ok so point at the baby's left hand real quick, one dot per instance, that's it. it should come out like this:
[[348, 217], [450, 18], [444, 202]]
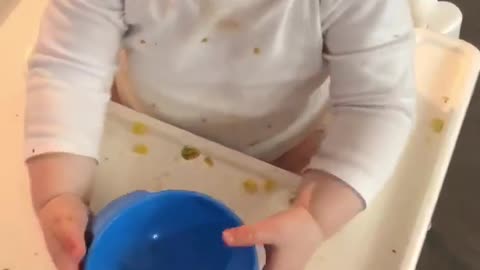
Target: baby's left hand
[[291, 237]]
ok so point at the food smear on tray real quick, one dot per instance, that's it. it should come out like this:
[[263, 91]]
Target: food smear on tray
[[189, 153], [139, 128], [437, 125], [250, 186], [209, 161], [140, 149], [270, 185]]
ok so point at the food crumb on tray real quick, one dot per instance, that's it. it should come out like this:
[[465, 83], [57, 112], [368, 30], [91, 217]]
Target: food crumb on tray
[[292, 199], [270, 185], [189, 153], [437, 125], [139, 128], [250, 186], [208, 161], [140, 149], [445, 99]]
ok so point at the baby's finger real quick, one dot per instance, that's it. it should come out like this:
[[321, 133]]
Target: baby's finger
[[272, 230], [64, 220], [70, 236], [65, 262], [62, 259]]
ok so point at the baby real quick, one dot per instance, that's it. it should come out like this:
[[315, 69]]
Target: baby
[[244, 73]]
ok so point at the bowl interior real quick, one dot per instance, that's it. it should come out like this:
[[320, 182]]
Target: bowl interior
[[173, 231]]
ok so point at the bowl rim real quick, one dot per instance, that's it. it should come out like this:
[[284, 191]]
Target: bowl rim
[[149, 196]]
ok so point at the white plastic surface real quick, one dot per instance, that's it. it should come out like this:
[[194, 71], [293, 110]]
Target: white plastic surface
[[389, 235], [446, 18], [438, 16], [421, 10]]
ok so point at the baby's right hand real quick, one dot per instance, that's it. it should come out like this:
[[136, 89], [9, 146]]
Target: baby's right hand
[[64, 221]]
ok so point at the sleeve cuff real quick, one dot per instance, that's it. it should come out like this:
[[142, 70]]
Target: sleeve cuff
[[36, 147], [358, 180]]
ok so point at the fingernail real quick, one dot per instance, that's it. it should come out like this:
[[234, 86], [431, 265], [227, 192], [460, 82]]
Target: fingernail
[[228, 237]]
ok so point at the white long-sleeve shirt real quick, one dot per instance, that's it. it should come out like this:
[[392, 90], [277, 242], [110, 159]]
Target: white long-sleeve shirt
[[245, 73]]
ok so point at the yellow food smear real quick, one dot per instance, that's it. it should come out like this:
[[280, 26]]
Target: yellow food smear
[[250, 186], [437, 125], [208, 161], [139, 128], [256, 50], [270, 185], [140, 149], [189, 153]]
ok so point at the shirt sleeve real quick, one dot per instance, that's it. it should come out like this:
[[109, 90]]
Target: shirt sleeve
[[70, 74], [369, 47]]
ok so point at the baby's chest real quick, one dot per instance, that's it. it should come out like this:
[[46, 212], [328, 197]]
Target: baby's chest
[[231, 35]]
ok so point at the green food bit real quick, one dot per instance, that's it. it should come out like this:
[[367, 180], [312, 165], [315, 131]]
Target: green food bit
[[437, 125], [189, 153]]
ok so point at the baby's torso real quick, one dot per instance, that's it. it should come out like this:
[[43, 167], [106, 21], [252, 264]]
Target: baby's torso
[[245, 73]]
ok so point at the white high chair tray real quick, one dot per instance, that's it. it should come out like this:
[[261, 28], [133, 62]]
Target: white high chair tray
[[389, 235]]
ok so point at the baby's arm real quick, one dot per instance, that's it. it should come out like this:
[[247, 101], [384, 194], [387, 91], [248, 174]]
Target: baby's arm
[[370, 51], [56, 174], [68, 87]]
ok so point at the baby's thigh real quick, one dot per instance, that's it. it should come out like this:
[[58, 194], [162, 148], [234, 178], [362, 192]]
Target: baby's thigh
[[297, 158]]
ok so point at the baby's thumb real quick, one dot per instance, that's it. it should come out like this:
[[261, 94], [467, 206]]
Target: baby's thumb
[[64, 220], [270, 231], [70, 237]]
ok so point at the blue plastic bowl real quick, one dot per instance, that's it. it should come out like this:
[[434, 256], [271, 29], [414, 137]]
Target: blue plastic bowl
[[169, 230]]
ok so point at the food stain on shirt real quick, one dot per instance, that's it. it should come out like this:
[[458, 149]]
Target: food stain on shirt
[[139, 128], [207, 8], [140, 149], [250, 186], [256, 51], [143, 42], [437, 125], [189, 153], [209, 161]]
